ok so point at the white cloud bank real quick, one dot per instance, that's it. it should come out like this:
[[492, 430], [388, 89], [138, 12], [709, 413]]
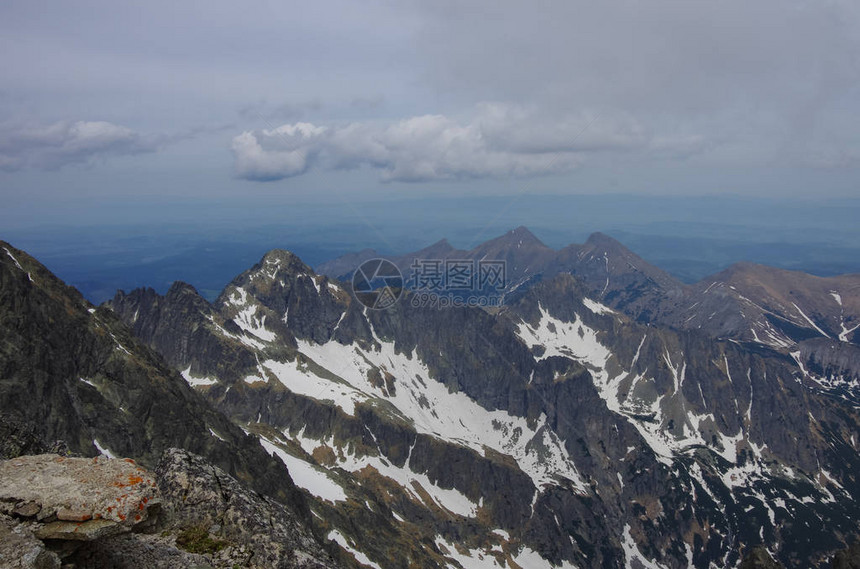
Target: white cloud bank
[[499, 140], [67, 142]]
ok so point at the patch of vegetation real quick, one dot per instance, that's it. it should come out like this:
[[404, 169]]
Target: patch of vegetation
[[198, 540]]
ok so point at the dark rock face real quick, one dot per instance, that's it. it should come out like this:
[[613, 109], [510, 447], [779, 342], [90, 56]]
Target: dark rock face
[[72, 372], [834, 365], [183, 326], [759, 558], [17, 438], [721, 400], [848, 558], [130, 551], [624, 442]]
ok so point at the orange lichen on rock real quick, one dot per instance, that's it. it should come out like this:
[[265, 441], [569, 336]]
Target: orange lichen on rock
[[80, 489]]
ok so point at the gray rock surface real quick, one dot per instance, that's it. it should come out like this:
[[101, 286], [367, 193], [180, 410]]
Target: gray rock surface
[[19, 548], [134, 550], [256, 531]]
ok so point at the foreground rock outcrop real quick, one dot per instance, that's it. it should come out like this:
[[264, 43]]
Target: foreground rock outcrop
[[52, 505], [77, 493], [89, 513]]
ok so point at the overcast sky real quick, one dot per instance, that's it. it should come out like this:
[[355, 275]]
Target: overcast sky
[[195, 100]]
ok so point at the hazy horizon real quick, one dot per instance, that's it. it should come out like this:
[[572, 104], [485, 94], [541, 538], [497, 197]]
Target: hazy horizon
[[208, 244]]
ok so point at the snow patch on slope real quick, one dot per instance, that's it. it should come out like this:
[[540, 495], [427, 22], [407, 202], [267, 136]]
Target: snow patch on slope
[[578, 341], [196, 381], [567, 339], [493, 557], [843, 334], [341, 540], [808, 319], [296, 377], [17, 264], [305, 475], [248, 320], [632, 553], [597, 307], [103, 450], [248, 341], [449, 499], [433, 409]]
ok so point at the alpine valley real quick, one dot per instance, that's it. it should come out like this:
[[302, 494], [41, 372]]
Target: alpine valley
[[604, 415]]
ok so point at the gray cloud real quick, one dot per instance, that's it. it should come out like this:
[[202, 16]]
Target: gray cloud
[[68, 142], [263, 110], [278, 153], [367, 103], [497, 140], [770, 75], [55, 145]]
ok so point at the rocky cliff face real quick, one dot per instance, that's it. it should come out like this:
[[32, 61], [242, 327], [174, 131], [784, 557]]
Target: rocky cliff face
[[75, 373], [556, 431]]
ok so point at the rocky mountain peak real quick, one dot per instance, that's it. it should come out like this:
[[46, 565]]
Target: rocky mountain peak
[[21, 275], [278, 268], [600, 237], [603, 243], [438, 250], [180, 288], [518, 238], [738, 271], [524, 254], [284, 260]]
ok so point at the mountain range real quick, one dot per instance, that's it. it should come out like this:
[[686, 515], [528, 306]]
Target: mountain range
[[815, 320], [605, 415]]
